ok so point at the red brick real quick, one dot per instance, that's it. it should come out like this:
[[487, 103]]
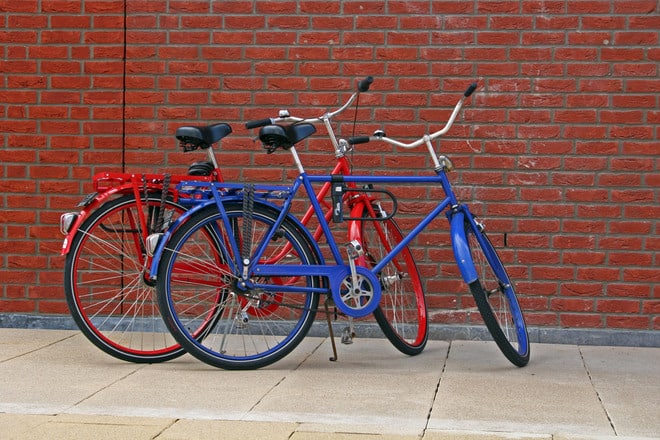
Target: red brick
[[599, 211], [573, 242], [631, 164], [632, 322], [635, 38], [628, 290], [645, 22], [589, 7], [17, 306], [635, 7], [630, 259], [571, 305], [538, 257], [646, 275], [588, 69], [576, 54], [576, 116], [651, 307], [581, 289], [582, 258], [580, 320], [621, 54], [603, 22]]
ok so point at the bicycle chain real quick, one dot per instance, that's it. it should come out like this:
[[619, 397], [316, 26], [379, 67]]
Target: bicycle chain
[[248, 215], [266, 303], [163, 198], [145, 191]]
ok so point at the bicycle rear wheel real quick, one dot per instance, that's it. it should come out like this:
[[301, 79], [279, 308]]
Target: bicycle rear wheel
[[106, 291], [252, 327], [496, 299], [401, 314]]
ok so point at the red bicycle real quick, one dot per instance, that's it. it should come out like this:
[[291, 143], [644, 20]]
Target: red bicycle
[[108, 295]]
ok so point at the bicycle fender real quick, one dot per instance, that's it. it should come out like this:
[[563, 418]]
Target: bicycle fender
[[355, 230], [461, 248], [87, 210]]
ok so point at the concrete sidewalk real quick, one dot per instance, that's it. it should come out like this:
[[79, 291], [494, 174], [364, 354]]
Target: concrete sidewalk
[[55, 384]]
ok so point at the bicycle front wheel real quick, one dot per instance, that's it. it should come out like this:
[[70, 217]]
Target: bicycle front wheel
[[106, 291], [251, 328], [496, 299], [401, 314]]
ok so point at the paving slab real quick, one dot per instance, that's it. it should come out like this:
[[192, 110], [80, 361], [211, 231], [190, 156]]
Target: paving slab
[[58, 376], [628, 388], [482, 435], [16, 426], [95, 427], [481, 391], [372, 388], [17, 342], [301, 435], [229, 430], [188, 388]]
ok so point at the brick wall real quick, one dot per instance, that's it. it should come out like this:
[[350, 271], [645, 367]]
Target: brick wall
[[558, 147]]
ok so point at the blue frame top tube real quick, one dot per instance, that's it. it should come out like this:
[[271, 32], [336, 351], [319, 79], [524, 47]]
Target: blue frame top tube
[[306, 181], [380, 179]]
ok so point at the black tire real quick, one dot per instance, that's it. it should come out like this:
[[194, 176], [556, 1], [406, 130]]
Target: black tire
[[251, 329], [401, 314], [104, 284], [496, 299]]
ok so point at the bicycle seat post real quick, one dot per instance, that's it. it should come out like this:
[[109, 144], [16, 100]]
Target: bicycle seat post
[[296, 159], [331, 133], [211, 156]]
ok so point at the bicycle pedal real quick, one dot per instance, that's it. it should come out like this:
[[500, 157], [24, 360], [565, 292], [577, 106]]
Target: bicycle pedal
[[347, 336]]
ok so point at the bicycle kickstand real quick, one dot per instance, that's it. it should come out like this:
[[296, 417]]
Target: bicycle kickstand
[[332, 333]]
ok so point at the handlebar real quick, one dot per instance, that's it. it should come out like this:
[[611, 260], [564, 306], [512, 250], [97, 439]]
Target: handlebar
[[363, 86], [427, 138], [258, 123], [354, 140], [470, 89]]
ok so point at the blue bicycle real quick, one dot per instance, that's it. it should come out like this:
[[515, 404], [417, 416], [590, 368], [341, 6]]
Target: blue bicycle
[[222, 270]]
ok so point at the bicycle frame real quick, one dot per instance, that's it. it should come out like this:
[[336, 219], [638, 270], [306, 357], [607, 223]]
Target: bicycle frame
[[248, 267]]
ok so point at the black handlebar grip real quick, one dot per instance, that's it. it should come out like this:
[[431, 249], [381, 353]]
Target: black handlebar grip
[[358, 140], [470, 89], [364, 84], [258, 123]]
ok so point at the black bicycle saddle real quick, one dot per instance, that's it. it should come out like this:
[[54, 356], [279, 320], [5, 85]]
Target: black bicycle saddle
[[193, 137], [278, 136]]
